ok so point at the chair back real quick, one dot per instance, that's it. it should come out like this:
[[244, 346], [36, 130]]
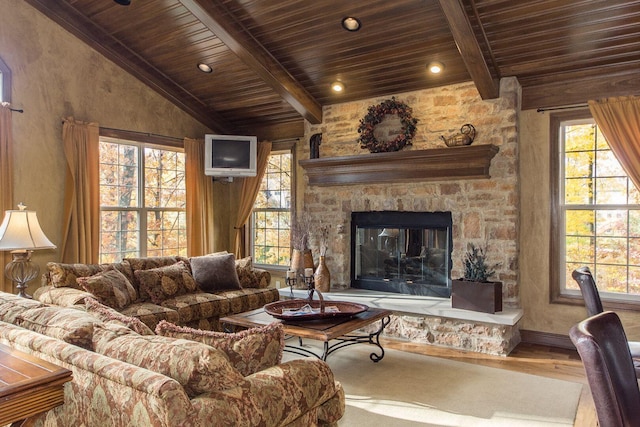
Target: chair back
[[602, 345], [589, 290]]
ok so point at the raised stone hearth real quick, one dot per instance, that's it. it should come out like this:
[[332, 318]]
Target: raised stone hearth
[[428, 320]]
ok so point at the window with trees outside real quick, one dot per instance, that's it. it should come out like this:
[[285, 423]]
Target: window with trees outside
[[142, 200], [271, 216], [599, 213]]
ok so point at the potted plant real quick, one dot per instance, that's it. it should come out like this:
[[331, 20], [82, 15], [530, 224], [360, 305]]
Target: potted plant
[[474, 291]]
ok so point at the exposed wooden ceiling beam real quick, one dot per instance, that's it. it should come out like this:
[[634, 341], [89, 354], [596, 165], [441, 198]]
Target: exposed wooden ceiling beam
[[467, 44], [252, 53], [66, 16]]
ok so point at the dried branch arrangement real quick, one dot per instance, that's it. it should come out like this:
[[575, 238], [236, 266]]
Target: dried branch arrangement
[[300, 227]]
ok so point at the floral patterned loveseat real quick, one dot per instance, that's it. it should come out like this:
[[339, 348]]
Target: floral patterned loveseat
[[125, 375], [194, 292]]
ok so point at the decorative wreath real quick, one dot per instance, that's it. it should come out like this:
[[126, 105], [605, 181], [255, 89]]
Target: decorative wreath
[[375, 114]]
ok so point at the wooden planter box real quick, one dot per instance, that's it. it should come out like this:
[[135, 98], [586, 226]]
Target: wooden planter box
[[476, 296]]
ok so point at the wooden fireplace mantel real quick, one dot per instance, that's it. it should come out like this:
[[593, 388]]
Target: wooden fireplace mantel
[[466, 162]]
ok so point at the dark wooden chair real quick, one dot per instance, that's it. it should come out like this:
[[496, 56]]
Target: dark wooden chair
[[593, 303], [602, 345]]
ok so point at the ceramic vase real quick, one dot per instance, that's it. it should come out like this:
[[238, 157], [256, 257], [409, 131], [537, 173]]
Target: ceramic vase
[[299, 261], [322, 277]]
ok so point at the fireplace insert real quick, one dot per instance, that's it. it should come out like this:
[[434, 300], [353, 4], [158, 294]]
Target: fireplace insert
[[402, 252]]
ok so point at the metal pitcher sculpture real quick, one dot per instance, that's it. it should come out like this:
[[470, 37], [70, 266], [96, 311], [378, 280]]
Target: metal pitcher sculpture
[[465, 137]]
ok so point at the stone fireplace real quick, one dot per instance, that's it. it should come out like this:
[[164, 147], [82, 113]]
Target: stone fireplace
[[402, 252], [483, 209]]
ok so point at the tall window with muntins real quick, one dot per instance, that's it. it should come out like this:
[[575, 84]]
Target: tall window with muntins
[[271, 217], [600, 209], [142, 200]]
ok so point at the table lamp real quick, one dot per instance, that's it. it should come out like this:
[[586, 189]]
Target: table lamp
[[21, 234]]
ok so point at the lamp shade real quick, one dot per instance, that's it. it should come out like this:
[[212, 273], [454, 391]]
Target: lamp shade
[[20, 230]]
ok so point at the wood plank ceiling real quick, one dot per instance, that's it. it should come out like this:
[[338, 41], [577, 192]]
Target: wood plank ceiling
[[273, 60]]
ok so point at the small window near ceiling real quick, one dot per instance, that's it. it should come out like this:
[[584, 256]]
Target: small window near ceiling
[[599, 213], [271, 217], [5, 82], [142, 200]]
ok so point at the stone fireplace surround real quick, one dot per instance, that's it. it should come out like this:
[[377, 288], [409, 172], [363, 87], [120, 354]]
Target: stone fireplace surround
[[484, 210]]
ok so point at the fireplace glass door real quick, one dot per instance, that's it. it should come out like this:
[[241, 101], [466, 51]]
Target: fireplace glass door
[[409, 254]]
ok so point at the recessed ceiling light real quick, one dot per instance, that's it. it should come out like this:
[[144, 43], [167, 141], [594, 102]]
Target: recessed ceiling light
[[337, 86], [435, 67], [351, 24], [204, 68], [123, 2]]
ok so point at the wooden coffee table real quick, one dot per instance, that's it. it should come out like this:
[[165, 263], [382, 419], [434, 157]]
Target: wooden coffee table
[[28, 385], [339, 330]]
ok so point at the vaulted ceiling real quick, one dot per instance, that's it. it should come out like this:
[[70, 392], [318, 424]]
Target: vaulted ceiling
[[273, 60]]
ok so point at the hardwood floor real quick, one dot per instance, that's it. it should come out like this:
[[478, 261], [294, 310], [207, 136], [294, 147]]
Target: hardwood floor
[[527, 358]]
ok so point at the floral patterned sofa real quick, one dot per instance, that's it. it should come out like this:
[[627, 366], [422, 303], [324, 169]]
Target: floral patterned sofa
[[125, 375], [194, 292]]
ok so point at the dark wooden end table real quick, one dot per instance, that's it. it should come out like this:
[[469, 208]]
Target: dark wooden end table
[[28, 385], [339, 330]]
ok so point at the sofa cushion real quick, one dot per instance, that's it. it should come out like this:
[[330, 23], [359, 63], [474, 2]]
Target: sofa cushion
[[198, 367], [68, 324], [12, 305], [67, 274], [150, 314], [198, 305], [249, 299], [215, 272], [166, 282], [248, 351], [108, 314], [110, 287]]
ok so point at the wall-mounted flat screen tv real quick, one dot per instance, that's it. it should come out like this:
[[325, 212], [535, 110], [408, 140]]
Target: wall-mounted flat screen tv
[[230, 155]]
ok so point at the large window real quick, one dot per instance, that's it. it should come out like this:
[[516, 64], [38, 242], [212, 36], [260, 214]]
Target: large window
[[271, 217], [599, 213], [142, 200]]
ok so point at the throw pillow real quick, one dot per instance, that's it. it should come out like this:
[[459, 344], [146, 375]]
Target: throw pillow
[[215, 272], [110, 287], [147, 263], [67, 324], [246, 275], [108, 314], [248, 351], [197, 367], [67, 274], [166, 282]]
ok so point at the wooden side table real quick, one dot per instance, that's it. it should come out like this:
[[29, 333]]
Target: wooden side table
[[28, 385]]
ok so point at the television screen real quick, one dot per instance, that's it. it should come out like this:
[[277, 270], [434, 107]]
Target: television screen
[[230, 155]]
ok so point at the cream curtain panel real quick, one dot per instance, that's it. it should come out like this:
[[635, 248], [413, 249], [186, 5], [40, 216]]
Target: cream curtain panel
[[81, 218], [619, 120], [200, 212], [250, 188], [6, 180]]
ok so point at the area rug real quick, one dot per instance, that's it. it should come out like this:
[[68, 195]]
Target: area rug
[[406, 389]]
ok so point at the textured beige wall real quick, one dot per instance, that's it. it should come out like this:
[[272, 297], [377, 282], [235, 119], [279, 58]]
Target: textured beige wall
[[539, 314], [55, 75]]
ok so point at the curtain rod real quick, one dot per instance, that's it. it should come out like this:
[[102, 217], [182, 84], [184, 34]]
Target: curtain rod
[[147, 134], [566, 107]]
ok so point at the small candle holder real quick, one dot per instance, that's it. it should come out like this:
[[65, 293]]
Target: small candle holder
[[291, 281], [308, 280]]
